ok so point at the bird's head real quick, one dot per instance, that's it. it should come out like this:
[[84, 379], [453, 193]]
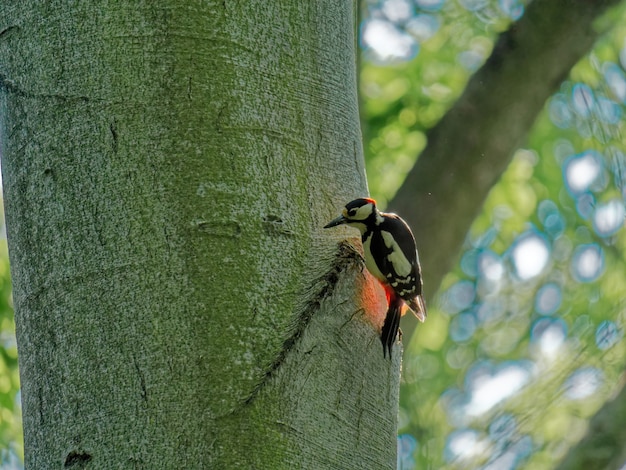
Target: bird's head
[[359, 213]]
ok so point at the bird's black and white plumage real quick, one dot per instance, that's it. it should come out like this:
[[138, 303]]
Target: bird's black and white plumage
[[391, 257]]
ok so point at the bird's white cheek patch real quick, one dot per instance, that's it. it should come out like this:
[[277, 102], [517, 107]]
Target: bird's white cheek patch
[[400, 264], [363, 212]]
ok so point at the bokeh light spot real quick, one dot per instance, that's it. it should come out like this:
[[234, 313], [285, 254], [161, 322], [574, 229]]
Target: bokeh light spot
[[488, 385], [548, 299], [607, 335], [471, 60], [387, 42], [554, 225], [397, 10], [463, 444], [545, 209], [560, 111], [608, 218], [407, 444], [549, 334], [609, 111], [462, 327], [530, 255], [490, 266], [581, 171], [469, 262], [551, 218], [585, 205], [459, 297], [423, 26], [587, 262], [583, 383], [615, 79], [514, 9], [583, 99]]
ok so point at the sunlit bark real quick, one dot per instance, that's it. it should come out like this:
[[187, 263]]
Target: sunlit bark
[[168, 168]]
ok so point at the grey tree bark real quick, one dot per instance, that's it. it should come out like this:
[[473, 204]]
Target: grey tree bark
[[167, 170]]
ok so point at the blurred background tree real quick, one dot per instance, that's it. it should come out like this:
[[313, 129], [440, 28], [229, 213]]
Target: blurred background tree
[[517, 202], [11, 450]]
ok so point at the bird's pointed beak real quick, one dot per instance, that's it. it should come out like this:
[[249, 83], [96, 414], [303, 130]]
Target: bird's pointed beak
[[338, 221]]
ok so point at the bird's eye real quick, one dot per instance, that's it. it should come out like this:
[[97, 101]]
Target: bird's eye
[[352, 212]]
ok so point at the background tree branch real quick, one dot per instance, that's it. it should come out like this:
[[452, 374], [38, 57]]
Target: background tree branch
[[603, 445], [472, 145]]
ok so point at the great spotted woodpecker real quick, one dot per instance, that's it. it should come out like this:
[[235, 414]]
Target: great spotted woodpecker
[[391, 257]]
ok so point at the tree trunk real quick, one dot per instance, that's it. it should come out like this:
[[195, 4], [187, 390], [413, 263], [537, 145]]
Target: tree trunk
[[167, 171]]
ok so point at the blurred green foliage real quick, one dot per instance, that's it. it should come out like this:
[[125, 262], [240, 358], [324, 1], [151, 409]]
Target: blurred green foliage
[[525, 341], [11, 439], [401, 99]]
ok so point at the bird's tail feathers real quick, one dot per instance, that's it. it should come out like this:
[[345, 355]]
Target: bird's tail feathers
[[391, 326]]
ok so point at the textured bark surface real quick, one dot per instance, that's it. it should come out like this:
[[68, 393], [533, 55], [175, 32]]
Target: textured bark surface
[[472, 145], [167, 170]]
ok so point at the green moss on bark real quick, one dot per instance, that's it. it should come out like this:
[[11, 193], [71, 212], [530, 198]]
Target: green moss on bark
[[167, 172]]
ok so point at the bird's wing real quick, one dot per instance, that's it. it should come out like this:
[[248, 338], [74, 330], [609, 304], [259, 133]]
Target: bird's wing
[[403, 237]]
